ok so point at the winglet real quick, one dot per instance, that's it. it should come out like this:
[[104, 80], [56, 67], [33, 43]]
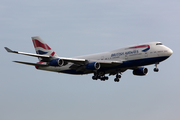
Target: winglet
[[9, 50]]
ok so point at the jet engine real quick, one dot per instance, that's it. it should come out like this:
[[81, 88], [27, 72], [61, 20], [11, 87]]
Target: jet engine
[[93, 66], [140, 71], [56, 62]]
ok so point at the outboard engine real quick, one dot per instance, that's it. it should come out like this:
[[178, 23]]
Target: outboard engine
[[140, 71], [93, 66], [56, 62]]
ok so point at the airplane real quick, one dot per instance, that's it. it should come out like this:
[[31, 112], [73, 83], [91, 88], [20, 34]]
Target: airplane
[[114, 62]]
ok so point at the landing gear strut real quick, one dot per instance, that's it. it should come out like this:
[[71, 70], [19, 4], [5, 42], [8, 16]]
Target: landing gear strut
[[156, 69], [117, 78]]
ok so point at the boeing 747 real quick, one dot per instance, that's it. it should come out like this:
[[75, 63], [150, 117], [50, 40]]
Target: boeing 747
[[100, 65]]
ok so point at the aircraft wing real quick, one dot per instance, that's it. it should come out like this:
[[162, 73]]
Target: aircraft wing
[[103, 63], [76, 61], [46, 57]]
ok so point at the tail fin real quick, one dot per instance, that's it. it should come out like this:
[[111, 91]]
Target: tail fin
[[42, 48]]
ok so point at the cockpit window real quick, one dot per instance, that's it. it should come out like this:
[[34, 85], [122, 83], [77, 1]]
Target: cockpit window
[[158, 43]]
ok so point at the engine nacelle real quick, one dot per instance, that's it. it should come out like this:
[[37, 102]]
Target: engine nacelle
[[93, 66], [140, 71], [56, 62]]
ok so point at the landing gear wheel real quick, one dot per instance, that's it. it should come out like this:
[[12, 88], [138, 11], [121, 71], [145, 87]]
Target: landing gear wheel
[[106, 78], [94, 77], [103, 79], [116, 80], [118, 76], [156, 69]]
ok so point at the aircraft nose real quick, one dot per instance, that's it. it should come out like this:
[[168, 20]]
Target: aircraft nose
[[170, 52]]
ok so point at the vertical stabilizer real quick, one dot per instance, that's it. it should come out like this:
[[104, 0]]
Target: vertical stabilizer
[[42, 48]]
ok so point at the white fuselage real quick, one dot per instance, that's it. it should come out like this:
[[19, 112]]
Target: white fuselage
[[132, 56]]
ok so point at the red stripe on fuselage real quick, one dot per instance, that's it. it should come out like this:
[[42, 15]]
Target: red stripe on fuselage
[[140, 46], [37, 43]]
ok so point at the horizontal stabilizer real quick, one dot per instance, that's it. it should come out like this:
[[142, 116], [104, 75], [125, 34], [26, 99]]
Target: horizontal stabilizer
[[33, 64]]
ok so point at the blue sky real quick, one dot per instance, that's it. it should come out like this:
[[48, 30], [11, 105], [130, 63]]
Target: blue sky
[[73, 28]]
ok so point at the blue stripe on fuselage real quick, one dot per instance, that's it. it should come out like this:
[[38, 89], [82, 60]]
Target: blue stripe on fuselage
[[142, 62], [145, 50]]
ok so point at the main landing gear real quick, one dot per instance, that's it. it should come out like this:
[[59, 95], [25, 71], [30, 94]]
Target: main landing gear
[[102, 78], [117, 78], [156, 69]]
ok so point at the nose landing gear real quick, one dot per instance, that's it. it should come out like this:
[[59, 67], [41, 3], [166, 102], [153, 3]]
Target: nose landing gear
[[156, 69]]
